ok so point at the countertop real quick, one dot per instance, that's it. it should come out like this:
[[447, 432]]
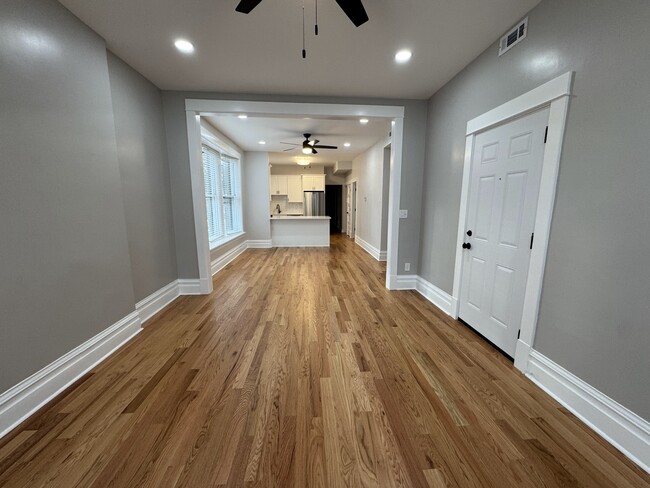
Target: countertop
[[299, 217]]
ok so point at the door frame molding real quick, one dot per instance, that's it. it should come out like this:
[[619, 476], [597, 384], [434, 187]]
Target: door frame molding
[[355, 193], [555, 94], [194, 108]]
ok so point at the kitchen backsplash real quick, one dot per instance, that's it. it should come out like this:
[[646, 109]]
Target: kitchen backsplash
[[286, 206]]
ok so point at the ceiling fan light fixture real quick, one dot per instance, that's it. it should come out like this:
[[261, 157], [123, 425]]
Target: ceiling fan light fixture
[[403, 56], [303, 162], [307, 150]]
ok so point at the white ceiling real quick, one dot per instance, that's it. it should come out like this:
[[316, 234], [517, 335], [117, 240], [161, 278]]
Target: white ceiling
[[248, 132], [260, 52]]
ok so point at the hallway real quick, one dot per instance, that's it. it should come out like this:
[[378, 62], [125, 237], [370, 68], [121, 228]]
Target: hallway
[[301, 369]]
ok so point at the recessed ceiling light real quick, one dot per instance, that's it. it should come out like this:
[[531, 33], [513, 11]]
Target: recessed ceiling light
[[403, 56], [363, 121], [184, 46], [262, 142], [346, 144], [243, 116]]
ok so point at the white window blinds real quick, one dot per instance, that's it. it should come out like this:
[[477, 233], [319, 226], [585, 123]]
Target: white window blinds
[[222, 199]]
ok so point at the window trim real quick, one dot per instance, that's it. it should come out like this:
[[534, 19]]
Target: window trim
[[237, 199]]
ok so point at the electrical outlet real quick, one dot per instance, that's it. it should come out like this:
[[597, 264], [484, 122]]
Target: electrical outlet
[[407, 266], [403, 214]]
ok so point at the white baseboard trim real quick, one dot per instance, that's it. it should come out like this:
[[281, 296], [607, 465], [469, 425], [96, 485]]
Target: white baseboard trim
[[383, 255], [435, 295], [25, 398], [369, 248], [158, 300], [259, 244], [191, 287], [225, 259], [404, 282], [619, 426]]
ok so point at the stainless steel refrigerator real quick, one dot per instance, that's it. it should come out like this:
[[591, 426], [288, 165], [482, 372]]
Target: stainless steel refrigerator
[[314, 203]]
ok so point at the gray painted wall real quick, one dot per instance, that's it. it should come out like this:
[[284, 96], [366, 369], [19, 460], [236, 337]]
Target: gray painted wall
[[64, 259], [368, 170], [595, 308], [256, 197], [144, 171], [412, 169]]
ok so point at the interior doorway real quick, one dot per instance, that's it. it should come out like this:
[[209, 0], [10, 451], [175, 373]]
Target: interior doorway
[[351, 210], [504, 188], [385, 188], [195, 108], [553, 95], [334, 207]]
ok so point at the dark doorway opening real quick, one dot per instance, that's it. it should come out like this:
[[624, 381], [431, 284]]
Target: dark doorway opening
[[334, 206]]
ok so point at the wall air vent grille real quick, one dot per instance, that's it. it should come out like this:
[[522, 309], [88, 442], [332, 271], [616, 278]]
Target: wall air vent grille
[[513, 36]]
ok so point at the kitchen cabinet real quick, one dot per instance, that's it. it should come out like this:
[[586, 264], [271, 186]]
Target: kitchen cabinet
[[313, 182], [294, 188], [279, 185]]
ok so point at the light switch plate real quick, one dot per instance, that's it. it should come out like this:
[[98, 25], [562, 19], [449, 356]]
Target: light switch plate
[[403, 214], [407, 266]]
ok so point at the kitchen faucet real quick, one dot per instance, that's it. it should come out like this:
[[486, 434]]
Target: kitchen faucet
[[277, 207]]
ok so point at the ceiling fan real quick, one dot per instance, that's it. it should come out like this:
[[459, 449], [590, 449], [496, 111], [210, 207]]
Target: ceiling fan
[[308, 146], [352, 8]]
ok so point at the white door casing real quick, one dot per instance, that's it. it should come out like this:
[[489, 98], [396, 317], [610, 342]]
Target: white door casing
[[555, 94], [348, 209], [504, 188]]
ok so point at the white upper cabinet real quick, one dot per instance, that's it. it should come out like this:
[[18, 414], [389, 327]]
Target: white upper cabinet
[[294, 187], [313, 182], [279, 185]]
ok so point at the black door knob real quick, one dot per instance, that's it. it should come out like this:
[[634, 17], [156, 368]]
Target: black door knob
[[469, 233], [467, 245]]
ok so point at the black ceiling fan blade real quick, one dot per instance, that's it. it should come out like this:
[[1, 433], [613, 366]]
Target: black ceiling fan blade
[[290, 144], [290, 149], [314, 151], [325, 147], [245, 6], [354, 10]]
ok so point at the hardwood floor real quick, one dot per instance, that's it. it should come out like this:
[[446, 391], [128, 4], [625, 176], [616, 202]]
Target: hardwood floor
[[301, 370]]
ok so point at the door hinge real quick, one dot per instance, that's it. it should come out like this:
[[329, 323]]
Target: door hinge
[[546, 135], [518, 333], [532, 238]]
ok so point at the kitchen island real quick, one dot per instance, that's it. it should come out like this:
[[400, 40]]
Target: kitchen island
[[300, 231]]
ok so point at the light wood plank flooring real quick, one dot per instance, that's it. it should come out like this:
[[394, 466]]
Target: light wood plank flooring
[[301, 370]]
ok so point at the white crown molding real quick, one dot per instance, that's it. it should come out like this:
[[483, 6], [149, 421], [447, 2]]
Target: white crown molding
[[225, 259], [25, 398], [259, 244], [158, 300], [619, 426]]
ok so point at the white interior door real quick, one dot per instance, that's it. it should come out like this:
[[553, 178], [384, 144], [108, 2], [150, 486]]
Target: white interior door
[[504, 187]]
